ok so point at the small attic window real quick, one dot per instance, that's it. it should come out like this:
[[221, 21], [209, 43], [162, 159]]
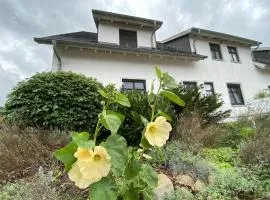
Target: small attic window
[[128, 38]]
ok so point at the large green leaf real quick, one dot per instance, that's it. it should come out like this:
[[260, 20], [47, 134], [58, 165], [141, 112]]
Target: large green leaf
[[112, 121], [158, 72], [144, 121], [131, 194], [82, 140], [161, 113], [122, 99], [172, 97], [168, 82], [103, 93], [119, 115], [144, 142], [132, 169], [105, 189], [146, 181], [149, 176], [66, 155], [140, 180], [116, 145]]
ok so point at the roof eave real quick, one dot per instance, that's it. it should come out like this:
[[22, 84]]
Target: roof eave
[[43, 40], [223, 36], [213, 35], [115, 17], [97, 46]]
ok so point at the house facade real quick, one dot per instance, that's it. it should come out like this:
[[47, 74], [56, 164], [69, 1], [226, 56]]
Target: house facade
[[124, 51]]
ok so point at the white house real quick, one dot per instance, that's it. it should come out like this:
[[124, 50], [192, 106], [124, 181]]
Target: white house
[[124, 51]]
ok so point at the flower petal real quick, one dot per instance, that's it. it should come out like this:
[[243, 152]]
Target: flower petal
[[99, 166], [157, 132], [83, 153], [75, 175]]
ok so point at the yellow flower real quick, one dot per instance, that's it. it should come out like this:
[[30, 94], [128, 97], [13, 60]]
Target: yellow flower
[[83, 154], [90, 167], [157, 132], [75, 175]]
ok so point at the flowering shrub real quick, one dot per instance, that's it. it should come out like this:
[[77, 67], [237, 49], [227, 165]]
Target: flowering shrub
[[111, 168]]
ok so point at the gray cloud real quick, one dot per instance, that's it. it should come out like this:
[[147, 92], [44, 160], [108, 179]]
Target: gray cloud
[[20, 21]]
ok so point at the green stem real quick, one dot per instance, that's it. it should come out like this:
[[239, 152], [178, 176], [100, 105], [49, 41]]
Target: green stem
[[155, 103], [99, 125], [97, 130]]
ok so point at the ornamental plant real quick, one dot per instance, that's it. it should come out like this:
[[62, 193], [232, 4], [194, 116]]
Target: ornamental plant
[[112, 169]]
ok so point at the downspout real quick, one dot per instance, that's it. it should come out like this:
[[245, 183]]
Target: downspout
[[195, 40], [57, 56], [152, 35]]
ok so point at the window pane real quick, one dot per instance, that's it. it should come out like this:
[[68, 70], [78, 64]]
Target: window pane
[[139, 85], [232, 98], [128, 38], [215, 51], [189, 85], [234, 54], [133, 84], [209, 88], [235, 94], [128, 85]]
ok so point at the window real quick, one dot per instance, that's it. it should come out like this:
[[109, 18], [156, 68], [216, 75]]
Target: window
[[133, 84], [234, 55], [189, 84], [235, 94], [128, 38], [215, 51], [209, 88]]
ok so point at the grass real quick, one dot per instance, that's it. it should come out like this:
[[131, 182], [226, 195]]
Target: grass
[[24, 150]]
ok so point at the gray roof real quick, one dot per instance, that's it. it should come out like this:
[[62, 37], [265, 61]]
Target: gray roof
[[262, 60], [213, 35], [262, 49], [125, 19], [89, 39], [81, 36]]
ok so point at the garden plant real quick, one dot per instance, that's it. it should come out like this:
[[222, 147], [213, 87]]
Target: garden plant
[[111, 168]]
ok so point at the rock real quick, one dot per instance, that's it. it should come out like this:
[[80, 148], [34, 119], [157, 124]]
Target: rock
[[199, 185], [187, 195], [185, 180], [164, 188]]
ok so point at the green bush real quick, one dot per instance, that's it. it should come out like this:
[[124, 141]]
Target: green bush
[[177, 195], [235, 133], [132, 126], [232, 183], [62, 100], [224, 157], [181, 162], [256, 150], [261, 95], [207, 105]]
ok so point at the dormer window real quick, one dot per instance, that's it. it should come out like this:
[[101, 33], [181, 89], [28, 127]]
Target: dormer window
[[128, 38]]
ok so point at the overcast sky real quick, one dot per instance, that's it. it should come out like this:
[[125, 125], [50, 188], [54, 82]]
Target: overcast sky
[[21, 20]]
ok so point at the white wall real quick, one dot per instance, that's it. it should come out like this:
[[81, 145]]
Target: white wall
[[109, 33], [251, 79], [111, 68]]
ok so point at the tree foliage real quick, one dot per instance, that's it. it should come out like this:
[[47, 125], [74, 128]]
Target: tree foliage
[[62, 100], [209, 106]]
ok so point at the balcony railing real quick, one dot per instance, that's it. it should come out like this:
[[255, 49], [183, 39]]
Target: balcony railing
[[166, 47]]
